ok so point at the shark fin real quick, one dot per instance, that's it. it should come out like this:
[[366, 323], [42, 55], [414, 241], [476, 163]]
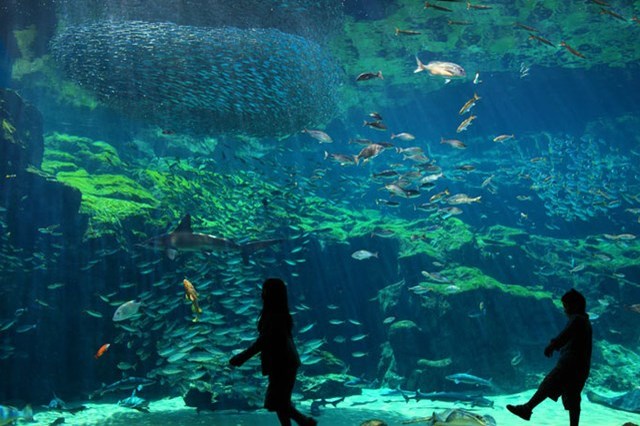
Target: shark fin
[[171, 253], [185, 224]]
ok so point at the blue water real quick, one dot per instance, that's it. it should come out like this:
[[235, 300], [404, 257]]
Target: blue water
[[568, 182]]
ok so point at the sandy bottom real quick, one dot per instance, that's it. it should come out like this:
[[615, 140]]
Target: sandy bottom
[[393, 410]]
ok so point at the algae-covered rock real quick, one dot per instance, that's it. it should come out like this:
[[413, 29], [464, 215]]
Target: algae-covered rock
[[407, 342], [482, 328], [464, 278], [614, 366], [21, 142]]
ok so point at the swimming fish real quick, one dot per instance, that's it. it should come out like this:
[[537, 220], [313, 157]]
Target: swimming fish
[[407, 32], [540, 39], [369, 152], [318, 135], [377, 125], [448, 70], [436, 7], [369, 75], [469, 104], [135, 402], [463, 199], [102, 350], [363, 254], [191, 295], [469, 379], [466, 123], [126, 310], [503, 138], [131, 382], [454, 142], [404, 136], [572, 50]]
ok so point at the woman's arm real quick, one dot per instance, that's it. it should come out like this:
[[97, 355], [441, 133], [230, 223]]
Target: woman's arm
[[246, 355]]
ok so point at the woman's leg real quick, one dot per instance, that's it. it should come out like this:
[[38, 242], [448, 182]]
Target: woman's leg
[[285, 417], [574, 417]]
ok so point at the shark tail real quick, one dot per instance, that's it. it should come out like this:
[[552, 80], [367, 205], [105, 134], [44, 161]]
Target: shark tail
[[251, 247], [27, 413]]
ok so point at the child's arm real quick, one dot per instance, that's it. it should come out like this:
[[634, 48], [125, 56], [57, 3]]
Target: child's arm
[[561, 339]]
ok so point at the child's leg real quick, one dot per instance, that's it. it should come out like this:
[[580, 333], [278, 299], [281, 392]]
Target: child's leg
[[524, 411], [537, 398]]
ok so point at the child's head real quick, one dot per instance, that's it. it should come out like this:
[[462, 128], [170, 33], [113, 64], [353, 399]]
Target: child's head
[[574, 302]]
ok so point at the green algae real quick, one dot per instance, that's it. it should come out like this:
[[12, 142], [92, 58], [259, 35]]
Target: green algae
[[580, 260], [230, 205], [503, 236], [464, 279], [93, 155], [438, 243], [109, 199]]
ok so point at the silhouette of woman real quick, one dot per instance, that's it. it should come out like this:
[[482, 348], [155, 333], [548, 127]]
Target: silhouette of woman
[[278, 354]]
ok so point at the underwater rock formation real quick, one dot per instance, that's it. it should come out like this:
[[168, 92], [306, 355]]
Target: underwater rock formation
[[449, 333], [31, 199], [260, 82], [21, 140]]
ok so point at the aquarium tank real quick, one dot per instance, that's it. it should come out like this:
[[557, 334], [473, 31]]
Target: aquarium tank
[[427, 178]]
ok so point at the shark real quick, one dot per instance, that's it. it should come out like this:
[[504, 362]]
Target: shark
[[182, 238], [474, 400]]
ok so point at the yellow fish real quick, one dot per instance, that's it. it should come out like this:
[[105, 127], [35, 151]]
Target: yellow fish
[[191, 295]]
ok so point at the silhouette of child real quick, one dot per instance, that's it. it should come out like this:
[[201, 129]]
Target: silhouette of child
[[570, 373], [278, 354]]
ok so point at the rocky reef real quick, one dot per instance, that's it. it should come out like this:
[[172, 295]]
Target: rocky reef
[[29, 198]]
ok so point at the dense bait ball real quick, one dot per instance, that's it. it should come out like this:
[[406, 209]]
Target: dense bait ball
[[259, 82], [315, 20]]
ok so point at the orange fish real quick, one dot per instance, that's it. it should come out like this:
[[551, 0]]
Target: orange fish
[[102, 350], [191, 294]]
